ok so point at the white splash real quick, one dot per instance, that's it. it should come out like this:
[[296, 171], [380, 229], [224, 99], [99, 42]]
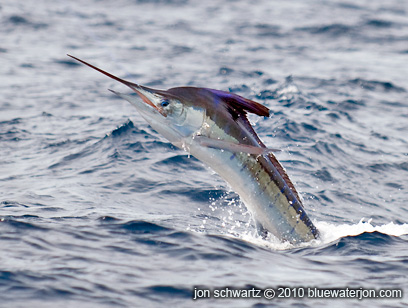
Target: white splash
[[329, 232]]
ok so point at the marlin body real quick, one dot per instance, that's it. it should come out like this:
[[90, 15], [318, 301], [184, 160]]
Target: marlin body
[[212, 126]]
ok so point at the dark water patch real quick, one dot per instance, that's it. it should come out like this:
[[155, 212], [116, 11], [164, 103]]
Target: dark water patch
[[237, 245], [243, 88], [268, 30], [124, 129], [309, 105], [375, 85], [156, 244], [179, 49], [292, 95], [379, 136], [309, 127], [46, 114], [269, 81], [196, 194], [12, 121], [139, 48], [394, 104], [267, 94], [386, 167], [67, 159], [13, 135], [166, 291], [52, 209], [139, 185], [367, 243], [167, 2], [158, 145], [371, 239], [375, 267], [136, 147], [38, 244], [141, 227], [262, 30], [180, 235], [106, 23], [290, 127], [379, 23], [256, 48], [22, 225], [322, 195], [70, 218], [51, 292], [342, 114], [214, 256], [295, 131], [354, 199], [179, 162], [108, 219], [324, 175], [291, 130], [27, 65], [156, 83], [333, 116], [60, 144], [20, 21], [23, 281], [350, 104], [96, 169], [6, 277], [349, 5], [129, 251], [11, 130], [253, 74], [11, 203], [97, 155], [331, 30], [325, 148], [67, 63], [394, 185]]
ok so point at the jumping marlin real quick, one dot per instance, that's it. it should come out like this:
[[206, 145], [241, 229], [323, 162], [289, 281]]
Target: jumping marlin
[[212, 125]]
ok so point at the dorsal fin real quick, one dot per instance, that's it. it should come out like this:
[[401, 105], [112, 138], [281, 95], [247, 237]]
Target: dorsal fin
[[240, 103]]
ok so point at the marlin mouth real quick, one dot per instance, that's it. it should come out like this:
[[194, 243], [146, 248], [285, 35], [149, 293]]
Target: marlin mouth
[[140, 90]]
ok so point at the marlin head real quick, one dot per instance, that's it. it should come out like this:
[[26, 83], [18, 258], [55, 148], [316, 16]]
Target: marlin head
[[180, 113], [169, 114]]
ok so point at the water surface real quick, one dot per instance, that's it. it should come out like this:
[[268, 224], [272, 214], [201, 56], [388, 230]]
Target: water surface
[[98, 210]]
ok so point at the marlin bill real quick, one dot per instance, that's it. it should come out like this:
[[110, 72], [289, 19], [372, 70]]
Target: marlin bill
[[212, 125]]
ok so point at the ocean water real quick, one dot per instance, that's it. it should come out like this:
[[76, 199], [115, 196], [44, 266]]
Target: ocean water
[[98, 210]]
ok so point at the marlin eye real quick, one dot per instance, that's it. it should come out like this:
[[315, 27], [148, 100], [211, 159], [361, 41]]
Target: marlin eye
[[165, 103]]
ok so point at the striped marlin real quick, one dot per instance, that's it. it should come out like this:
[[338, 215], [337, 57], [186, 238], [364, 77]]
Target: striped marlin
[[212, 125]]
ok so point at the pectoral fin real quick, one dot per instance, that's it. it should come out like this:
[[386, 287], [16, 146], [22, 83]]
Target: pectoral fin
[[232, 147]]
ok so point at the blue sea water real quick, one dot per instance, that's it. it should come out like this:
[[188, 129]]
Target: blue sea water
[[98, 210]]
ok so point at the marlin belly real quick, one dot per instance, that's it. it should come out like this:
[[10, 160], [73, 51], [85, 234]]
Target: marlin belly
[[264, 191]]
